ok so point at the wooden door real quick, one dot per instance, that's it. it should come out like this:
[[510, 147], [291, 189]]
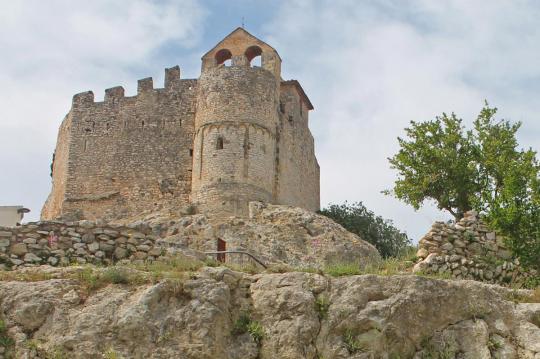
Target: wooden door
[[221, 247]]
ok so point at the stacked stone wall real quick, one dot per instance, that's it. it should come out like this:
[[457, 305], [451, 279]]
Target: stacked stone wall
[[468, 249], [57, 243]]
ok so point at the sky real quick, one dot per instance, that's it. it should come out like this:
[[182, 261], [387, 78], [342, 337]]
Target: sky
[[369, 68]]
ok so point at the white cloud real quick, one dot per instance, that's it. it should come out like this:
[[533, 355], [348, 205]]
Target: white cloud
[[53, 49], [371, 67]]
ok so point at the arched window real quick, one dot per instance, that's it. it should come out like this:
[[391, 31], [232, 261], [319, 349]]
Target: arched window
[[223, 56], [219, 143], [253, 55]]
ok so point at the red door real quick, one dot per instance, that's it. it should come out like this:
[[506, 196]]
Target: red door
[[221, 247]]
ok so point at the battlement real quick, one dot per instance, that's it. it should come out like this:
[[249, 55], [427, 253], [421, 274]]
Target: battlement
[[145, 85], [114, 94]]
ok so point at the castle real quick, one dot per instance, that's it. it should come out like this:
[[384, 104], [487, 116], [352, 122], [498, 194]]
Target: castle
[[238, 133]]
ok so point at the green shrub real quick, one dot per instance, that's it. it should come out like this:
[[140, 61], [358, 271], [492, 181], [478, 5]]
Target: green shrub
[[241, 324], [5, 341], [356, 218], [321, 306], [116, 275], [256, 331], [245, 324]]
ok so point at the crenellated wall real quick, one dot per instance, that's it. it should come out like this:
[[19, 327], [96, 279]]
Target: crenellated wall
[[125, 154]]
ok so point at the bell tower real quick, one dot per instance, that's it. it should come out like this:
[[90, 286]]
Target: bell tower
[[236, 124]]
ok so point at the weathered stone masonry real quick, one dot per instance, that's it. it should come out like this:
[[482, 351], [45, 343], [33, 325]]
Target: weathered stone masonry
[[62, 243], [468, 249], [237, 134]]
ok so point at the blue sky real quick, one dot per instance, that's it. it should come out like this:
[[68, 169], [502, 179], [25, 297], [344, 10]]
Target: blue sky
[[369, 67]]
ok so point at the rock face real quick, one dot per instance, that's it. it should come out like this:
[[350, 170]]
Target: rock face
[[468, 249], [292, 315], [275, 234]]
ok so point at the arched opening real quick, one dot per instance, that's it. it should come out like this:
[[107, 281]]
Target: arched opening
[[223, 56], [219, 143], [253, 55]]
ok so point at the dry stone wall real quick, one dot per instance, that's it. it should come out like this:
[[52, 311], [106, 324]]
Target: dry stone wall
[[58, 243], [468, 249]]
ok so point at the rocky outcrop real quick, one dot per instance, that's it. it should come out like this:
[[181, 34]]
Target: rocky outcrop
[[275, 234], [468, 249], [290, 315]]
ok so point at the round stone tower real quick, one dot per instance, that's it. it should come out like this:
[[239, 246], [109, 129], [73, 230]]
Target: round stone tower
[[236, 121]]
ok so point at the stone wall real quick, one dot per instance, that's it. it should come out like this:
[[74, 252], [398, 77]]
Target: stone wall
[[126, 154], [235, 141], [57, 243], [297, 167], [468, 249]]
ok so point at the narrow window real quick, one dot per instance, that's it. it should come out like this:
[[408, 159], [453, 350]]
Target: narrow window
[[290, 118], [191, 152], [142, 124], [219, 143], [281, 107]]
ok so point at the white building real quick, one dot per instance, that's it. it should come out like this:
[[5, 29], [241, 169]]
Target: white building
[[11, 216]]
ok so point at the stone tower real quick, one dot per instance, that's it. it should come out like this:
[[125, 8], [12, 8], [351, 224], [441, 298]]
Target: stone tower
[[236, 126], [238, 133]]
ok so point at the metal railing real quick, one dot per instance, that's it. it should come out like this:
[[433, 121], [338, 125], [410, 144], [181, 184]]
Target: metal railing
[[251, 256]]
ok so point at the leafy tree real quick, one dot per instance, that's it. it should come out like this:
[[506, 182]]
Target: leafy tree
[[356, 218], [480, 169]]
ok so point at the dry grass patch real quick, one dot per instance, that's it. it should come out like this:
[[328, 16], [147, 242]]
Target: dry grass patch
[[27, 276]]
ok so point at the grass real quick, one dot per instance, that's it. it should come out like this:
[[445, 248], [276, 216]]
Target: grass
[[494, 345], [342, 269], [352, 343], [321, 306], [32, 276], [111, 354], [389, 266], [92, 279], [5, 341], [402, 264], [519, 297], [245, 324], [431, 352], [443, 275], [256, 331]]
